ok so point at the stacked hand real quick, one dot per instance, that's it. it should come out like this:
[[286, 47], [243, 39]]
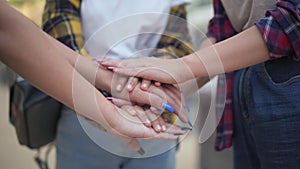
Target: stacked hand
[[142, 106], [148, 101]]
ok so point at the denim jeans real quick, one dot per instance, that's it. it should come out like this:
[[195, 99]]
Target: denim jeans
[[266, 102]]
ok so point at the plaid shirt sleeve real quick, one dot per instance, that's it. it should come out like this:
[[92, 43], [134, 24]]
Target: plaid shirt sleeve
[[281, 29], [175, 41], [220, 28], [61, 20]]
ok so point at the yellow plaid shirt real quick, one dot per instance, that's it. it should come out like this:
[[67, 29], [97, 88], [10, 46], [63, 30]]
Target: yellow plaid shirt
[[61, 19]]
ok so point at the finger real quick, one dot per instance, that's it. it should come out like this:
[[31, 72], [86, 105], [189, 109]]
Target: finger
[[157, 90], [145, 84], [156, 111], [132, 143], [162, 124], [141, 114], [145, 73], [178, 103], [131, 84], [154, 121], [146, 98], [158, 100], [157, 84], [120, 83], [130, 128], [146, 68], [119, 102], [164, 135], [176, 99], [130, 109], [135, 145], [107, 62], [174, 129], [174, 89]]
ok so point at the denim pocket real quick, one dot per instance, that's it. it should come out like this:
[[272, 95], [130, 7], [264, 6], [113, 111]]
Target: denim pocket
[[274, 90], [283, 71]]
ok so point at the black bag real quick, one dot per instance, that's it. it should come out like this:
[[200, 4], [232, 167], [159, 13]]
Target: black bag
[[34, 114]]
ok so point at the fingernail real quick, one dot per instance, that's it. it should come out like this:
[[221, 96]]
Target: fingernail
[[97, 60], [178, 134], [132, 111], [158, 127], [157, 83], [110, 99], [168, 107], [153, 108], [141, 151], [148, 121], [164, 128], [119, 87], [129, 87], [144, 86], [110, 68], [186, 128]]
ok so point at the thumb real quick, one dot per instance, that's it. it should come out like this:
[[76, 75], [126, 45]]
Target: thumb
[[107, 62], [132, 143]]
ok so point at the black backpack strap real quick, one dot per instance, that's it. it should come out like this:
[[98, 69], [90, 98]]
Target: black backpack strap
[[42, 158]]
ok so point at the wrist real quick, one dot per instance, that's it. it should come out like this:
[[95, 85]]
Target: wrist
[[195, 65], [107, 113], [103, 79]]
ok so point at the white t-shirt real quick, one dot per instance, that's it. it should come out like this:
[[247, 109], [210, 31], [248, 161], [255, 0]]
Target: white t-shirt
[[124, 28]]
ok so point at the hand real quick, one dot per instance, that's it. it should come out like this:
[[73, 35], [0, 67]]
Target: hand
[[147, 117], [155, 97], [127, 128], [152, 95], [169, 71]]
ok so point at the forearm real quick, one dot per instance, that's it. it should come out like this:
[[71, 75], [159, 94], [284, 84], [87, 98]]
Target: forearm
[[190, 86], [23, 48], [101, 78], [38, 58], [205, 43], [245, 49]]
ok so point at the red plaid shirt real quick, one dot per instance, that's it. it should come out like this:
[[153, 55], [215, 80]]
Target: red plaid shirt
[[281, 32]]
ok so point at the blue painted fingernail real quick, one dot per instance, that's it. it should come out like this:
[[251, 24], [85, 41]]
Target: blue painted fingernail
[[190, 123], [187, 107], [168, 107]]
